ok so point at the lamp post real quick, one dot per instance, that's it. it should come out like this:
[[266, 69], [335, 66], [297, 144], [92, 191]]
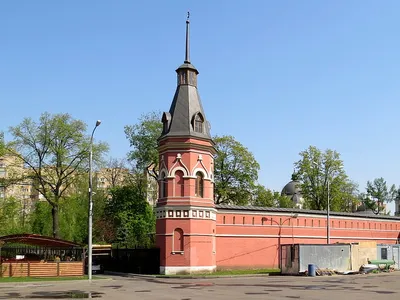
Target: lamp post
[[294, 216], [328, 228], [90, 256]]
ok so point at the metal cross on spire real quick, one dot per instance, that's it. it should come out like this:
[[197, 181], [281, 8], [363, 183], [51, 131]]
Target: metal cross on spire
[[187, 53]]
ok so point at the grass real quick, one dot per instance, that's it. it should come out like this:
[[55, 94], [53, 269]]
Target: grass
[[34, 279], [233, 273], [246, 272], [217, 273]]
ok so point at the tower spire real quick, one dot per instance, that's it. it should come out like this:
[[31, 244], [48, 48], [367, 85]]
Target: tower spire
[[187, 52], [186, 108]]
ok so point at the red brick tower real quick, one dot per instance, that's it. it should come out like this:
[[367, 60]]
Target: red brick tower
[[186, 215]]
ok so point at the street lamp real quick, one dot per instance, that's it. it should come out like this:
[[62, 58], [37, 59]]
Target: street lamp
[[90, 256], [294, 216], [328, 228]]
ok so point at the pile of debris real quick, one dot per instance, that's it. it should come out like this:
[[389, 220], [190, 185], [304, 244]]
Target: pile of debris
[[364, 269], [331, 272], [322, 272], [375, 268], [325, 272]]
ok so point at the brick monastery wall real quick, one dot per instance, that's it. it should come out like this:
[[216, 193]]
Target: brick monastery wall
[[250, 239]]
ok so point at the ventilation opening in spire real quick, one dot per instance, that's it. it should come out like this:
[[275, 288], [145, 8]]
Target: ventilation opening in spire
[[198, 123]]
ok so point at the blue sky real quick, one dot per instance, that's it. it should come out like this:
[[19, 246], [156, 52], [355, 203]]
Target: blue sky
[[277, 75]]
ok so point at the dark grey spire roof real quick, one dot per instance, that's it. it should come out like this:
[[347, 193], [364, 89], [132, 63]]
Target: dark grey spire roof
[[184, 107], [186, 116]]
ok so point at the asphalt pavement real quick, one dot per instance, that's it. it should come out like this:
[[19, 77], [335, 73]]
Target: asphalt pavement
[[365, 287]]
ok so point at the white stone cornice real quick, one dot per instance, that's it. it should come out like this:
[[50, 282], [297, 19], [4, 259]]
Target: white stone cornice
[[186, 212]]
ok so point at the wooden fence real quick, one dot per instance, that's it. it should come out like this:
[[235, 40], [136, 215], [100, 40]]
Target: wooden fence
[[41, 269]]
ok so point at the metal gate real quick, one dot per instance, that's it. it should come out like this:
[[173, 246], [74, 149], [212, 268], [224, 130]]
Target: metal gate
[[389, 252], [396, 256], [139, 261]]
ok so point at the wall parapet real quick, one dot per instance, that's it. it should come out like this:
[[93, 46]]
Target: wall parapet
[[247, 209]]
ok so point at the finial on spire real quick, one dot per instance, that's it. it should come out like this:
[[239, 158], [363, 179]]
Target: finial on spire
[[187, 53]]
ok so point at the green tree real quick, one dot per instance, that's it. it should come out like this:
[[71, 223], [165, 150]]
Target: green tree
[[131, 215], [143, 139], [2, 143], [12, 214], [268, 198], [349, 196], [320, 172], [103, 226], [41, 222], [378, 193], [235, 172], [55, 149], [73, 210], [72, 220]]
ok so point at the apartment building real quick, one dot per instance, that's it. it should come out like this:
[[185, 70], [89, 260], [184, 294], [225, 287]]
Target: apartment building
[[14, 182], [107, 178]]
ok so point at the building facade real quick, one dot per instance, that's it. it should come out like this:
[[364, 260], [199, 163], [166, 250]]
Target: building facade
[[195, 235], [15, 184]]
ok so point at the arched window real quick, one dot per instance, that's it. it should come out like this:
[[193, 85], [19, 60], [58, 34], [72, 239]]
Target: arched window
[[182, 78], [178, 240], [163, 186], [198, 123], [199, 187], [179, 192]]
